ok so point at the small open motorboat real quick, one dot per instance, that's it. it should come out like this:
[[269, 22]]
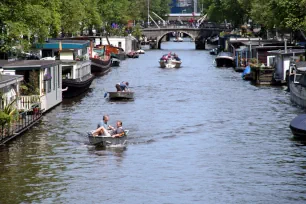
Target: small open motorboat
[[170, 61], [132, 54], [214, 51], [140, 51], [121, 95], [225, 59], [298, 126], [115, 62], [178, 39], [107, 141]]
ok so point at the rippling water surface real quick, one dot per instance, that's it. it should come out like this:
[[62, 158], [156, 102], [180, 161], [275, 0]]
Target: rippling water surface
[[198, 134]]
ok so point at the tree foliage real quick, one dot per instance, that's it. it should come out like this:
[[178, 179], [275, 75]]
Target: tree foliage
[[24, 21], [282, 14]]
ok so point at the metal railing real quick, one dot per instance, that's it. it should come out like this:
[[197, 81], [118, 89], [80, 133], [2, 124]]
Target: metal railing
[[189, 26], [23, 122]]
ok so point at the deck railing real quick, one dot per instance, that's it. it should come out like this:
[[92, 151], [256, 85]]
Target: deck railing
[[23, 122], [27, 102]]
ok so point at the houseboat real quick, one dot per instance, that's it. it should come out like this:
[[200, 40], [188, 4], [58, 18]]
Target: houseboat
[[76, 66], [19, 120], [281, 62], [9, 89], [100, 61], [297, 82], [11, 104], [42, 82], [127, 43], [77, 77]]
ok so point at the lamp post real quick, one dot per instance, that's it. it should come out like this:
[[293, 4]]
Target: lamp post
[[148, 12]]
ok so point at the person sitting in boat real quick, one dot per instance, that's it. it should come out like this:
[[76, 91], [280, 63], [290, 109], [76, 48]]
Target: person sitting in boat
[[103, 122], [118, 131], [164, 57], [115, 132], [123, 86], [176, 57]]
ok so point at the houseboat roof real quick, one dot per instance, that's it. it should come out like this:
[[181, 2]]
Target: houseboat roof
[[6, 80], [289, 52], [31, 64], [3, 62], [255, 41], [66, 44], [275, 47]]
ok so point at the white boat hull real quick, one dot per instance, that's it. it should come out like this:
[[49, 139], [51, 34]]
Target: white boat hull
[[170, 64]]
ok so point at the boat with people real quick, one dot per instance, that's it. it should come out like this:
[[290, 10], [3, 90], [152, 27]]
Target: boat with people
[[132, 54], [108, 141], [298, 126], [122, 92], [170, 61], [225, 59], [121, 95]]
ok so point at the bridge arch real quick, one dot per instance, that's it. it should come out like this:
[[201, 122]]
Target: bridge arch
[[160, 37]]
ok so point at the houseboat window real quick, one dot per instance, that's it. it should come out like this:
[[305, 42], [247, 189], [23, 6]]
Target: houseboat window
[[30, 84], [46, 53], [67, 72], [119, 44]]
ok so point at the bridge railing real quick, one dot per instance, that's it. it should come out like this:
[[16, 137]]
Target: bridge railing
[[202, 26]]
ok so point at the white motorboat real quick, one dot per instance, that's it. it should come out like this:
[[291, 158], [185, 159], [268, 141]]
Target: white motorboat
[[178, 39], [140, 51], [170, 61]]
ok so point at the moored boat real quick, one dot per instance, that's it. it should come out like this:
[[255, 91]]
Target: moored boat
[[145, 45], [225, 59], [77, 77], [121, 95], [214, 51], [140, 51], [298, 126], [115, 62], [100, 63], [132, 54]]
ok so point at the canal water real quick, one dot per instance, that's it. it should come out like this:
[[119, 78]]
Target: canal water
[[198, 134]]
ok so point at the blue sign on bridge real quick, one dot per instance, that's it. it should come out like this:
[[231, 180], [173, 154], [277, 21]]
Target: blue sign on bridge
[[184, 6]]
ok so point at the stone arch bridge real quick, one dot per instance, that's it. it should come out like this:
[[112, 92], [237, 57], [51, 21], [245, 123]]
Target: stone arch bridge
[[199, 35]]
